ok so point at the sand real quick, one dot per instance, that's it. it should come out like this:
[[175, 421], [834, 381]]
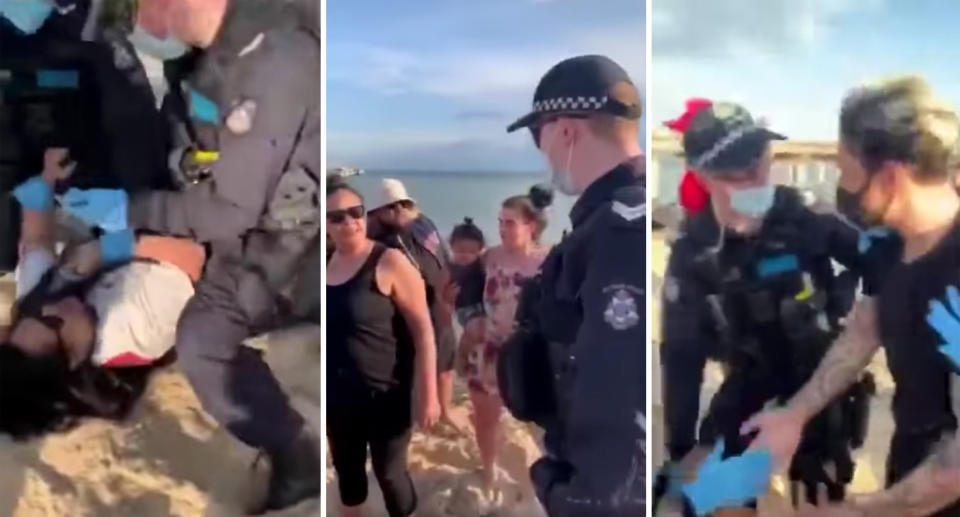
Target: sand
[[445, 471], [168, 459], [171, 459]]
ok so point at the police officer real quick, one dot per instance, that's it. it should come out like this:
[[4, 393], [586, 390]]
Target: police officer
[[255, 90], [751, 284], [590, 301], [898, 145], [69, 87]]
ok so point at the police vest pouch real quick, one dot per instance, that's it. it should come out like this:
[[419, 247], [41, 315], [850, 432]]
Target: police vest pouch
[[525, 379], [295, 202], [762, 307]]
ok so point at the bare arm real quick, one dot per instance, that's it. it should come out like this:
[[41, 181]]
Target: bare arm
[[847, 357], [38, 227], [406, 288], [37, 231], [930, 487]]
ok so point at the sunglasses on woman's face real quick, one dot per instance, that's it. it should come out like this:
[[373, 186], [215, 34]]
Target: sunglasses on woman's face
[[339, 216]]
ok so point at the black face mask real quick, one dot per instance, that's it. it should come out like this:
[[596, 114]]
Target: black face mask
[[848, 204]]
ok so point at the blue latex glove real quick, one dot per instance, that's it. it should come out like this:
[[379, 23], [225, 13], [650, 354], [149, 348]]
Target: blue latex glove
[[731, 482], [947, 323], [105, 208], [35, 194], [869, 235], [26, 15], [117, 246]]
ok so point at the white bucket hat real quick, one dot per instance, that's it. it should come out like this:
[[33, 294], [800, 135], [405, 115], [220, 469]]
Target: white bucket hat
[[390, 191]]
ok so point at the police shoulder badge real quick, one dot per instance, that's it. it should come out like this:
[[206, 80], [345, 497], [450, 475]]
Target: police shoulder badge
[[621, 311], [240, 119]]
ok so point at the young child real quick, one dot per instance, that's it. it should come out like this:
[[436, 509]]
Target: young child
[[466, 272], [466, 280], [467, 242]]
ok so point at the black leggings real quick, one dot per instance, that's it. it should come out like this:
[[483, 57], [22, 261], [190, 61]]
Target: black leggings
[[382, 420]]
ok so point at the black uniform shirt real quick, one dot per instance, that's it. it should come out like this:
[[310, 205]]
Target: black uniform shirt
[[602, 275], [263, 74], [689, 333]]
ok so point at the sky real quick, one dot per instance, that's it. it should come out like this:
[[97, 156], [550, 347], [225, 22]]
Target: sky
[[792, 61], [432, 84]]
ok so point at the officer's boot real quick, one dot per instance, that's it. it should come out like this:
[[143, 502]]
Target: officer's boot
[[296, 473]]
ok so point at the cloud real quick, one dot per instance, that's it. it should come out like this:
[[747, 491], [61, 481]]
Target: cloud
[[478, 75], [477, 71], [482, 115], [700, 28], [436, 152]]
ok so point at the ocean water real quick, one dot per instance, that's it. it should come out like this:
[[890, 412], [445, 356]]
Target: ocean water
[[447, 198]]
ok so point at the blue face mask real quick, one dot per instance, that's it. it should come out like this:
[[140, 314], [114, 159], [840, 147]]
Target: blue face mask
[[163, 49], [26, 15], [752, 201]]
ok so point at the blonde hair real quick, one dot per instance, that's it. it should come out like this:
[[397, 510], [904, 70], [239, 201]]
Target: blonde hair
[[901, 120]]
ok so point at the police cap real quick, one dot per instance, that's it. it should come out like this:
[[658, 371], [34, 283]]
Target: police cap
[[582, 85], [724, 138]]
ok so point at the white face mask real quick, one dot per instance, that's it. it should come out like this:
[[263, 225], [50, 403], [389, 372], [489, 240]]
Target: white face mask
[[163, 49], [562, 179], [752, 201]]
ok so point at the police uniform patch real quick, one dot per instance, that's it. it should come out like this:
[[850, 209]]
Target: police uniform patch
[[671, 289], [240, 119], [627, 212], [621, 311]]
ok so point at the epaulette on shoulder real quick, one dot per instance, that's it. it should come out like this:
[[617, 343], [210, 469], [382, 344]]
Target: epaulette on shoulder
[[630, 203]]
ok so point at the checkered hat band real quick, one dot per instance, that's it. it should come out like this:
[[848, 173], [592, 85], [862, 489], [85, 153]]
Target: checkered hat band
[[722, 144], [569, 104]]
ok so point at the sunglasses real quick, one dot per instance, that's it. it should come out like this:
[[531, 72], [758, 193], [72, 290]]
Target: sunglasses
[[339, 216], [405, 204], [537, 126]]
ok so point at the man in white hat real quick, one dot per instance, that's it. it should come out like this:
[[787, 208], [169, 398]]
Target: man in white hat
[[395, 220]]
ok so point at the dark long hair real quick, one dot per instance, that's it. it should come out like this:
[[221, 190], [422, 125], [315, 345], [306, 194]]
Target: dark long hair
[[41, 394], [467, 231]]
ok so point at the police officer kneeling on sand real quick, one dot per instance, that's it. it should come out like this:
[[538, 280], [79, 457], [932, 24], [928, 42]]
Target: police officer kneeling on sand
[[577, 363], [252, 93]]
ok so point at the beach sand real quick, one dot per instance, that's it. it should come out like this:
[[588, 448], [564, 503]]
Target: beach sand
[[445, 470], [168, 459]]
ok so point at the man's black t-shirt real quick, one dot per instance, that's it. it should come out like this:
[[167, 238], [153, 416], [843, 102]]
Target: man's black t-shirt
[[923, 403]]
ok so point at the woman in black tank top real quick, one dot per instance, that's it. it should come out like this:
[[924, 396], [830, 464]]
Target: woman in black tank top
[[378, 326]]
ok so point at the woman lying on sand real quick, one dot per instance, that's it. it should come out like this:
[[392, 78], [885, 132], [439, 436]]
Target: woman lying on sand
[[85, 332]]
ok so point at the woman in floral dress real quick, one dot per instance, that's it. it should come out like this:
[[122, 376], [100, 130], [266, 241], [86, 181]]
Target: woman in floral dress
[[506, 268]]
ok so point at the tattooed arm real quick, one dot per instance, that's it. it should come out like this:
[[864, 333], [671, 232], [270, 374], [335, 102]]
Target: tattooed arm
[[780, 429], [845, 359], [930, 487]]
